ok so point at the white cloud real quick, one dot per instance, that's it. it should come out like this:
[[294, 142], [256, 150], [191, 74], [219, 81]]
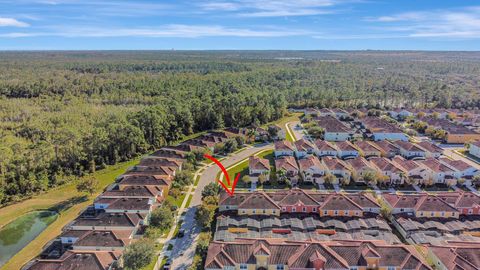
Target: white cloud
[[167, 31], [275, 8], [458, 23], [12, 22]]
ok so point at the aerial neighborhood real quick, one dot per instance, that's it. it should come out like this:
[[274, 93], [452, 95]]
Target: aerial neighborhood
[[333, 189]]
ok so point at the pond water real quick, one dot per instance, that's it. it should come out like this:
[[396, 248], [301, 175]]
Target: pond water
[[18, 233]]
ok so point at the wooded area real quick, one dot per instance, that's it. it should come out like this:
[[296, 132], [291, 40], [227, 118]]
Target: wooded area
[[64, 114]]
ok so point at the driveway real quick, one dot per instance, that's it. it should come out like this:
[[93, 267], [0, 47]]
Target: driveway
[[450, 152], [188, 243]]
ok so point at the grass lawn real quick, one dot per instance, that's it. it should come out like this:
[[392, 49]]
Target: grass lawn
[[178, 201], [282, 121], [67, 200], [190, 197]]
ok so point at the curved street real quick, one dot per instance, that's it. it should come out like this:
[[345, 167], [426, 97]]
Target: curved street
[[184, 248]]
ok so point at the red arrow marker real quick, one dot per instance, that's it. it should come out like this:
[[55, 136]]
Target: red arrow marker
[[235, 181]]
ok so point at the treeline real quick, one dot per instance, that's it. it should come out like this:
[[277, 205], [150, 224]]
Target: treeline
[[68, 113]]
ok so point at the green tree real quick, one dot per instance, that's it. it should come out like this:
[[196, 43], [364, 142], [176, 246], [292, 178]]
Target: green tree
[[88, 185], [211, 189], [138, 255], [162, 218]]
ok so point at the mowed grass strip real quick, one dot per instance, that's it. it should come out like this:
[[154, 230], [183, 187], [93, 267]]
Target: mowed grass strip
[[65, 195]]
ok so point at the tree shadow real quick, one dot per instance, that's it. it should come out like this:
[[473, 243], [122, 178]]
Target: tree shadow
[[64, 205]]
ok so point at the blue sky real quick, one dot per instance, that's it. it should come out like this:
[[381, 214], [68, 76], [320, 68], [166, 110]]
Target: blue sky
[[240, 24]]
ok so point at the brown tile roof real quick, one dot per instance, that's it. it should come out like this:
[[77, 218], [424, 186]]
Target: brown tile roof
[[359, 163], [408, 146], [457, 164], [257, 163], [430, 147], [405, 163], [386, 146], [144, 180], [99, 238], [169, 153], [287, 163], [151, 170], [110, 220], [258, 200], [125, 203], [366, 146], [460, 199], [334, 164], [78, 260], [304, 145], [436, 166], [345, 146], [309, 162], [284, 145], [364, 200], [160, 161], [458, 257], [324, 145], [384, 164], [418, 202], [294, 196], [332, 124], [378, 125], [134, 191], [304, 254], [340, 202]]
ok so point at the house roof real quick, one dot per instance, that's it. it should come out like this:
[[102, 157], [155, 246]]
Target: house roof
[[430, 147], [152, 170], [258, 200], [359, 163], [309, 162], [134, 191], [144, 180], [287, 163], [385, 165], [125, 203], [408, 146], [363, 199], [346, 146], [108, 238], [295, 196], [460, 199], [334, 164], [457, 164], [160, 161], [386, 146], [378, 125], [304, 145], [324, 145], [340, 202], [366, 146], [476, 143], [332, 124], [110, 220], [405, 163], [78, 260], [437, 166], [304, 254], [284, 145], [419, 202], [458, 257], [258, 163]]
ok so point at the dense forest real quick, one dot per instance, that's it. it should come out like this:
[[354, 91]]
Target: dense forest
[[68, 113]]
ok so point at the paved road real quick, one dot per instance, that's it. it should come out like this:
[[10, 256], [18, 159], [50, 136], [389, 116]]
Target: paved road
[[184, 248], [298, 132], [450, 152]]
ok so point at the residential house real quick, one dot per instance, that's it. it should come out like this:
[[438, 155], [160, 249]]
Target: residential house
[[334, 130], [468, 203], [303, 148], [96, 240], [311, 169], [155, 193], [474, 149], [81, 260], [432, 150], [420, 205], [284, 148], [361, 167], [325, 148], [392, 170], [280, 254], [366, 201], [441, 172], [124, 205], [258, 203], [337, 168], [416, 172], [346, 150], [109, 221], [458, 134], [456, 256], [295, 201], [409, 150], [289, 166], [325, 112], [387, 148], [339, 205], [258, 166], [368, 149], [340, 113], [465, 170], [159, 161], [381, 129]]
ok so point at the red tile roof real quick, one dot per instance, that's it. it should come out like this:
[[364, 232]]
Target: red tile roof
[[284, 145], [257, 163], [287, 163]]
